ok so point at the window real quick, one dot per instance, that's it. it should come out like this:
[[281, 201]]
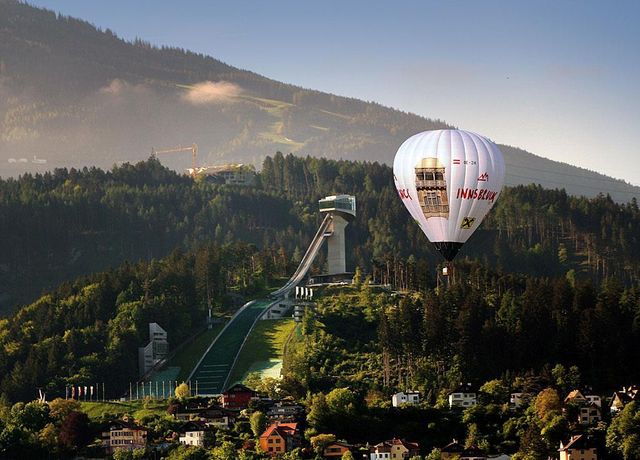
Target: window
[[431, 198]]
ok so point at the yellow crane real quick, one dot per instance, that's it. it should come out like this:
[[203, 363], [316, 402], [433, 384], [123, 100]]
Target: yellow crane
[[193, 148]]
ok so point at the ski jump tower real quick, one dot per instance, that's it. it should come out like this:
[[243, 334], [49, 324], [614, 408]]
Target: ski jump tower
[[338, 211], [342, 209]]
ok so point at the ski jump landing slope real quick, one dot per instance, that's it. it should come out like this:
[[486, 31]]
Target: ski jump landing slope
[[213, 369], [211, 374]]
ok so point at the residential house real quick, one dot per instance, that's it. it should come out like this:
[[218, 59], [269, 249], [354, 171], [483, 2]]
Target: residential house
[[213, 415], [238, 397], [457, 451], [410, 397], [196, 433], [394, 449], [575, 397], [279, 438], [124, 435], [579, 447], [185, 413], [590, 414], [594, 399], [285, 410], [463, 396], [380, 451], [336, 449], [578, 397], [516, 400], [588, 406], [624, 397]]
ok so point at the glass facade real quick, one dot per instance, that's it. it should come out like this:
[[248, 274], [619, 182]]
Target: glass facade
[[345, 203]]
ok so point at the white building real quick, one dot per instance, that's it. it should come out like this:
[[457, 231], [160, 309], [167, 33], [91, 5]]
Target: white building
[[195, 434], [516, 400], [594, 399], [229, 174], [155, 351], [410, 397], [463, 397]]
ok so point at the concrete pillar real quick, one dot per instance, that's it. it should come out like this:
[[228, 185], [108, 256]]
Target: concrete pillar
[[336, 258]]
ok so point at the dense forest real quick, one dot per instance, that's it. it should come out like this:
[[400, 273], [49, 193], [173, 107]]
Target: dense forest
[[75, 95], [66, 223]]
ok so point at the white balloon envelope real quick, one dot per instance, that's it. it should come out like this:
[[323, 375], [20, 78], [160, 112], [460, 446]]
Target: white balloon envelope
[[448, 179]]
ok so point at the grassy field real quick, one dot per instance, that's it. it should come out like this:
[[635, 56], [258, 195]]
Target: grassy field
[[264, 349], [134, 408]]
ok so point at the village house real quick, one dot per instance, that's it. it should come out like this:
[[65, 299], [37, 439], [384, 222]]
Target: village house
[[410, 397], [579, 447], [590, 414], [589, 411], [624, 397], [457, 451], [279, 438], [336, 449], [196, 433], [594, 399], [578, 397], [463, 396], [123, 435], [575, 397], [516, 400], [238, 397], [285, 410], [394, 449], [213, 415], [184, 413], [217, 416]]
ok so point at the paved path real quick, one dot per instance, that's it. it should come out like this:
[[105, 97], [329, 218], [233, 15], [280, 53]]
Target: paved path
[[214, 367]]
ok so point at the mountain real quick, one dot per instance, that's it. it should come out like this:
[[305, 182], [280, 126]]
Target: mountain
[[74, 95]]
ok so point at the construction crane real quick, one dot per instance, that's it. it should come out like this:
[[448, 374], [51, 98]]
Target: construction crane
[[193, 149]]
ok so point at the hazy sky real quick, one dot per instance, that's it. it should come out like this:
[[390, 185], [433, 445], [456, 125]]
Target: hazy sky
[[560, 79]]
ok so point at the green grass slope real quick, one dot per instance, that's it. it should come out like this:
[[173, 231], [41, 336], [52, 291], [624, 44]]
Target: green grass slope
[[263, 351]]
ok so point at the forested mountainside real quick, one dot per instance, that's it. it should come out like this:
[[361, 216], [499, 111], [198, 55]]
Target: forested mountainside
[[69, 223], [92, 328], [487, 325], [74, 95]]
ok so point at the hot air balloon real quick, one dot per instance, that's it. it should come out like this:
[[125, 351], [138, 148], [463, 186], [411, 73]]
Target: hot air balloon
[[448, 179]]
